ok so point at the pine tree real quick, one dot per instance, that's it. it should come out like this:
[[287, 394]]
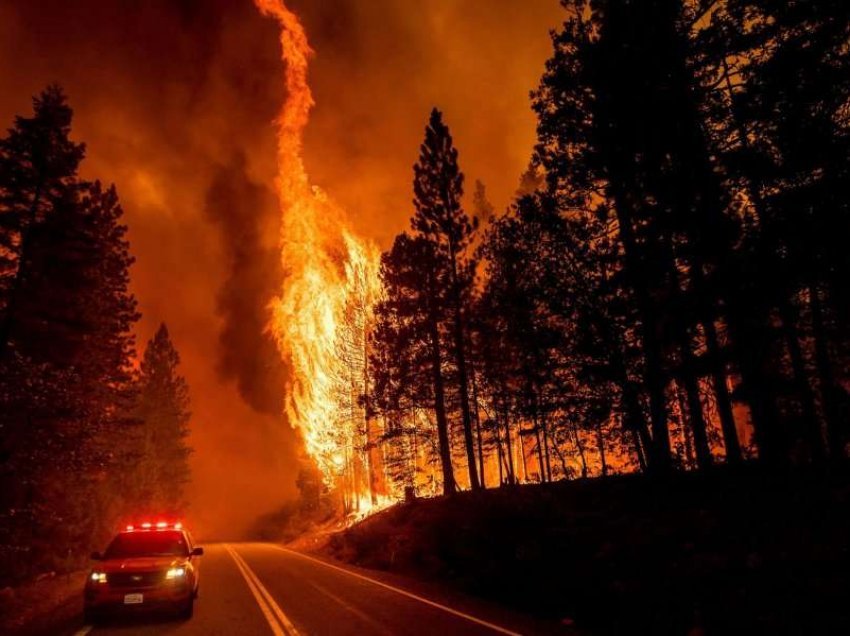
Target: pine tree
[[38, 168], [440, 220], [65, 362], [163, 409], [408, 358], [780, 131], [590, 149]]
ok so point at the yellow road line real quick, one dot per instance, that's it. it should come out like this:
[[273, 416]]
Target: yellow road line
[[458, 613], [262, 593], [276, 628]]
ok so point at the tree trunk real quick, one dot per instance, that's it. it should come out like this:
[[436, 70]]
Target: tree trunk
[[449, 485], [639, 451], [600, 441], [540, 461], [477, 418], [633, 416], [541, 423], [687, 432], [826, 378], [653, 371], [811, 423], [696, 417], [463, 381], [522, 453], [633, 413], [561, 458], [748, 345], [580, 449], [499, 455], [721, 393], [509, 449]]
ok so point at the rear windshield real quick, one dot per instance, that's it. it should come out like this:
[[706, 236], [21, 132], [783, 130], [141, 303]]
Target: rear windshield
[[147, 544]]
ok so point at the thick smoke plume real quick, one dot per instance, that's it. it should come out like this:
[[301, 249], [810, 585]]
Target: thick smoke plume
[[249, 221]]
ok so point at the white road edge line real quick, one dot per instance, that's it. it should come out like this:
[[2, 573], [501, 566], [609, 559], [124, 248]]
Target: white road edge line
[[473, 619], [267, 613], [349, 607], [284, 621], [84, 630]]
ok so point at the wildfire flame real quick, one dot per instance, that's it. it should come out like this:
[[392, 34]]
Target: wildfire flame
[[330, 284]]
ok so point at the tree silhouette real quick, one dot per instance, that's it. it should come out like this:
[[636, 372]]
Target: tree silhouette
[[407, 340], [440, 220], [66, 319], [163, 409]]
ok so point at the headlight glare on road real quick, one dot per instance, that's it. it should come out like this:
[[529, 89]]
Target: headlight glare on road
[[98, 577], [175, 573]]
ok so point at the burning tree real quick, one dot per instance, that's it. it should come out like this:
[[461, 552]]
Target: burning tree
[[322, 316]]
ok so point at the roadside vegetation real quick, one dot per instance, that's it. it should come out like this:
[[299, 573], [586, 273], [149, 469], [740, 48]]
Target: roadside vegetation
[[88, 433], [667, 291], [664, 307]]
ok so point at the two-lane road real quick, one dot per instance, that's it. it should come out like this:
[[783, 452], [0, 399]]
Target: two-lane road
[[258, 588]]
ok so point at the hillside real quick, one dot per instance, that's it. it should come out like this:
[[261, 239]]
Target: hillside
[[715, 553]]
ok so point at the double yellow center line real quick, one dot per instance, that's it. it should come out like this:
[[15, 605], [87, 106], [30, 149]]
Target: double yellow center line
[[277, 620]]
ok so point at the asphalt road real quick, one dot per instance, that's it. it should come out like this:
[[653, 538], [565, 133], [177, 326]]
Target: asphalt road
[[258, 588]]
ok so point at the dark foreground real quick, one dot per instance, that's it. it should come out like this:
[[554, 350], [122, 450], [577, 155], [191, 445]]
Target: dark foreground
[[744, 553], [262, 589]]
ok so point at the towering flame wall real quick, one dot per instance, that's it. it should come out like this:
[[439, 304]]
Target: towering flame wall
[[330, 284]]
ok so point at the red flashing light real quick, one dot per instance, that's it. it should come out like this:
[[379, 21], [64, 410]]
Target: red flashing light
[[159, 525]]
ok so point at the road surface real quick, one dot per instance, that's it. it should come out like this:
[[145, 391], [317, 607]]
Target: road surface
[[264, 589]]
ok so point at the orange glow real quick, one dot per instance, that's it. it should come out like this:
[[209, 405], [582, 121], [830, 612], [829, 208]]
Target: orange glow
[[330, 285]]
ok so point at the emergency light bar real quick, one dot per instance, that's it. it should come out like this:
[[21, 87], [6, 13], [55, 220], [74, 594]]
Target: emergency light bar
[[160, 525]]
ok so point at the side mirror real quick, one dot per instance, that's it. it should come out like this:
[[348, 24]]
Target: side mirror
[[96, 556], [198, 552]]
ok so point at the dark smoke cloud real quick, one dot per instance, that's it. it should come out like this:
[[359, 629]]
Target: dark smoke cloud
[[248, 216]]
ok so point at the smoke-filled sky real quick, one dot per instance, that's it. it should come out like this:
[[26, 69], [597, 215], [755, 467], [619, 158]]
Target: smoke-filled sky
[[175, 101]]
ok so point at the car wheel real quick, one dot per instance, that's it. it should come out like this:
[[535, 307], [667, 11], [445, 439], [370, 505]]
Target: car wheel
[[188, 610], [91, 617]]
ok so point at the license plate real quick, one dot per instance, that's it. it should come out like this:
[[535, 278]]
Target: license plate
[[133, 599]]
